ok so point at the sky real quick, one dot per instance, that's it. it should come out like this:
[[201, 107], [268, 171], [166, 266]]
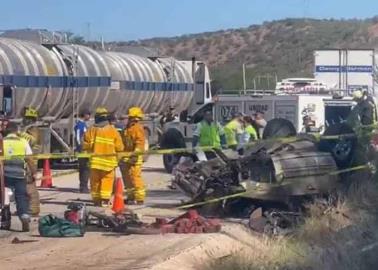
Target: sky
[[138, 19]]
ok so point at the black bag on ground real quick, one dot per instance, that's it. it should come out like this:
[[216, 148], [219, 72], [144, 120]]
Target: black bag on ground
[[52, 226]]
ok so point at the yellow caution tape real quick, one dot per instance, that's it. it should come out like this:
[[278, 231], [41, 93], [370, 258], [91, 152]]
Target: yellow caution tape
[[120, 155], [235, 195], [356, 168]]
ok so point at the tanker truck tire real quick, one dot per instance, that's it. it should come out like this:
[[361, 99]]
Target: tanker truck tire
[[170, 140], [279, 128], [170, 161]]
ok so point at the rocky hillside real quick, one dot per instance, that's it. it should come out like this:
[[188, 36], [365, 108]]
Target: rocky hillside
[[274, 49]]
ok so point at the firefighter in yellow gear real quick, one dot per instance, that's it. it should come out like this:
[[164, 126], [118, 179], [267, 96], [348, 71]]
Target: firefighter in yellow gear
[[134, 141], [102, 139], [29, 132]]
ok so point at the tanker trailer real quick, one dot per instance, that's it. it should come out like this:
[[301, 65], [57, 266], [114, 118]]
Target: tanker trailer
[[60, 79]]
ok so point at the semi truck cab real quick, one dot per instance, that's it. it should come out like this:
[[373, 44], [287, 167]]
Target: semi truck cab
[[179, 133]]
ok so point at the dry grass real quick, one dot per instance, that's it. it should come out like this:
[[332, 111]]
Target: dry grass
[[336, 235]]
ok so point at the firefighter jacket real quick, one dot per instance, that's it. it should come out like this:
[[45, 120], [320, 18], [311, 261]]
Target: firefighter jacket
[[134, 140], [103, 139]]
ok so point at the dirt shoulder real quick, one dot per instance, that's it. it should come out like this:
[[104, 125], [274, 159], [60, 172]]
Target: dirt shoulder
[[105, 250]]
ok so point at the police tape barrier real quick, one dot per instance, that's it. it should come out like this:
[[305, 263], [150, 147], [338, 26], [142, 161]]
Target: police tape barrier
[[121, 155], [236, 195]]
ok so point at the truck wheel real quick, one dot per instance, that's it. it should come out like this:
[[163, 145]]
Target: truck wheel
[[170, 161], [342, 150], [5, 218], [170, 140], [278, 128]]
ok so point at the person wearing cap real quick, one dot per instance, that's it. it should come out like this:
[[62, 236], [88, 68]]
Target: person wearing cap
[[168, 116], [80, 129], [103, 141], [134, 141], [234, 131]]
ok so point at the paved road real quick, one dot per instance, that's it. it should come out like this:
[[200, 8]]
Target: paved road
[[106, 250]]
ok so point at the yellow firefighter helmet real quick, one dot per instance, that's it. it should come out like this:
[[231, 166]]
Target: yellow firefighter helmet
[[135, 112], [101, 111], [30, 112]]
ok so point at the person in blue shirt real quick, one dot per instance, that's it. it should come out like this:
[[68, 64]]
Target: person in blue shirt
[[80, 129]]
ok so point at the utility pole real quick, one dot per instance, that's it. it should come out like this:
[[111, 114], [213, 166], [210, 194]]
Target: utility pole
[[88, 31], [244, 80]]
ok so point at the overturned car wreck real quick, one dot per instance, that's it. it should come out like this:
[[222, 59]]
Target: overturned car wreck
[[272, 178]]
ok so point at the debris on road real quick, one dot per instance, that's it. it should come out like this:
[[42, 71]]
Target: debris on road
[[16, 240], [276, 175], [129, 223]]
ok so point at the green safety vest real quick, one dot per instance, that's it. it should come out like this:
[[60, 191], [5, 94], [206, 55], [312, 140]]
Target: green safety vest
[[209, 135], [14, 146], [252, 132], [230, 131]]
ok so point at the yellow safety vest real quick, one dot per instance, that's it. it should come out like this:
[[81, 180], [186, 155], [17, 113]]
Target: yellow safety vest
[[231, 131], [209, 134], [14, 146]]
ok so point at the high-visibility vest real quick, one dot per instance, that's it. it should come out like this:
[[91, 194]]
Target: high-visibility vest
[[103, 141], [209, 134], [250, 134], [15, 167], [231, 131]]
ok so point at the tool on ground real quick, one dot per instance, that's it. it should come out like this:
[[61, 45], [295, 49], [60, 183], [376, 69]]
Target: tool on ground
[[16, 240], [116, 222], [118, 202], [52, 226], [129, 223], [72, 225], [76, 213], [46, 176]]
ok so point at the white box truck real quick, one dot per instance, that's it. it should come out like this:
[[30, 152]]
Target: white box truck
[[290, 107], [345, 69]]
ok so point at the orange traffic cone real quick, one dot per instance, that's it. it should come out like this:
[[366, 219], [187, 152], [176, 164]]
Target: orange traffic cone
[[46, 176], [118, 202]]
